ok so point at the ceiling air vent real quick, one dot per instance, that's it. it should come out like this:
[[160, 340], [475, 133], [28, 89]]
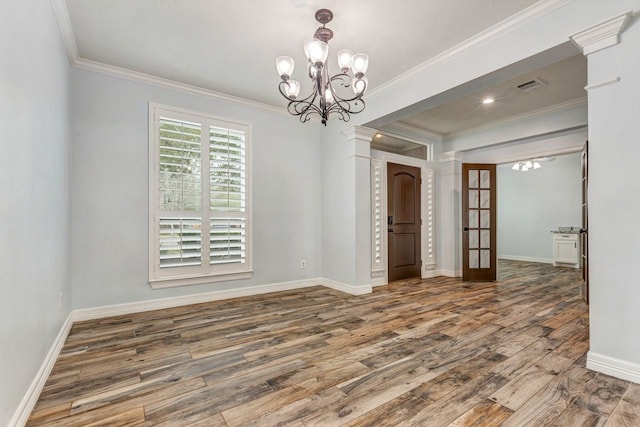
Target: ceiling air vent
[[530, 85]]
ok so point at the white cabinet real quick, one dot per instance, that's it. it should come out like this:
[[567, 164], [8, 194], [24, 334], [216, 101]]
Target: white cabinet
[[566, 249]]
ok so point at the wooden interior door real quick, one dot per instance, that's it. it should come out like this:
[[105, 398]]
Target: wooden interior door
[[479, 254], [584, 231], [404, 223]]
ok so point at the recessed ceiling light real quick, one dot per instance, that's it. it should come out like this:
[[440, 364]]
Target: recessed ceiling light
[[378, 135], [488, 100]]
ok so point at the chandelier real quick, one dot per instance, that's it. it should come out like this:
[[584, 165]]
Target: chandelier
[[524, 166], [330, 95]]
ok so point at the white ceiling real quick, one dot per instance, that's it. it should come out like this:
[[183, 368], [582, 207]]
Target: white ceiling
[[562, 82], [230, 46]]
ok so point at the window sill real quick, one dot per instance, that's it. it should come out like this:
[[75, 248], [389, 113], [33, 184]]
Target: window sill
[[173, 282]]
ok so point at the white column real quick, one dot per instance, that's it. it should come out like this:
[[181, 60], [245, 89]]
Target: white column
[[450, 258], [359, 140], [614, 183]]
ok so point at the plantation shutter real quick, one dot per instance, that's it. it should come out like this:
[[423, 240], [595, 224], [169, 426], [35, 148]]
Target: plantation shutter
[[227, 155], [180, 186], [200, 223]]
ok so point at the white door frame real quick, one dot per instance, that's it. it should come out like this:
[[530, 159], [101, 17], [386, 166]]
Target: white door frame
[[379, 252]]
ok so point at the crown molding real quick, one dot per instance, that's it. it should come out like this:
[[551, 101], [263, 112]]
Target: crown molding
[[538, 153], [602, 84], [359, 132], [602, 35], [136, 76], [64, 24], [582, 101], [450, 156], [66, 30], [410, 133], [537, 10]]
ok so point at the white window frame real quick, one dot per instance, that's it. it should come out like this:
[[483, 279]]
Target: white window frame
[[204, 273]]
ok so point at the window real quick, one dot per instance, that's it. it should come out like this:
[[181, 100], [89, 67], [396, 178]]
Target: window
[[199, 198]]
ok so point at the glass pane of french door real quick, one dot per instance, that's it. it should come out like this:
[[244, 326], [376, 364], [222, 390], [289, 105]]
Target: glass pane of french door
[[479, 219]]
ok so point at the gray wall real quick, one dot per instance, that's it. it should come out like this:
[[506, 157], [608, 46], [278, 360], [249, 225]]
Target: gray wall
[[110, 191], [34, 212], [532, 203]]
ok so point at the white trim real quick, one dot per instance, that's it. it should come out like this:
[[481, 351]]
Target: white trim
[[66, 30], [410, 133], [163, 303], [349, 289], [526, 258], [136, 76], [359, 132], [430, 274], [537, 10], [541, 153], [450, 273], [450, 156], [383, 158], [397, 158], [30, 398], [378, 281], [428, 145], [378, 218], [553, 109], [204, 272], [618, 368], [602, 84], [172, 282], [602, 35]]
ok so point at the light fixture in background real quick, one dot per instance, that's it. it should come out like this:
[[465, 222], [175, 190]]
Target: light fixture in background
[[526, 165], [488, 101], [330, 94]]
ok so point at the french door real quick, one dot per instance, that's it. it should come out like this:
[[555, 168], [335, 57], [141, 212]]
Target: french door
[[479, 254]]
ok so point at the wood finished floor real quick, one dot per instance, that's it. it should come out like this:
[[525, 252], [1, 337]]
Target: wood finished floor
[[437, 352]]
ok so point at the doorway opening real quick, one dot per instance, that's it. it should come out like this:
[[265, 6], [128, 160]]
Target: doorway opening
[[542, 212], [404, 221]]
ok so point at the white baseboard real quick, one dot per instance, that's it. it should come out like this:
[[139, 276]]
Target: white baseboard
[[160, 304], [526, 258], [615, 367], [450, 273], [429, 274], [378, 278], [349, 289], [378, 281], [30, 398]]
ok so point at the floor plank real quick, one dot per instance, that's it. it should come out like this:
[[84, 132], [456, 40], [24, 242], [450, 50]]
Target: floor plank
[[433, 352]]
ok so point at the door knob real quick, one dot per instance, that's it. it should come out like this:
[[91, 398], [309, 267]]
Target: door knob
[[465, 229]]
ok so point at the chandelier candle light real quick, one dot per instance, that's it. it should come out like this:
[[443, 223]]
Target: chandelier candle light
[[324, 100]]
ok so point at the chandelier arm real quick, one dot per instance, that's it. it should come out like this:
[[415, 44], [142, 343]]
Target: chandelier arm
[[342, 114], [300, 107], [342, 78], [284, 83]]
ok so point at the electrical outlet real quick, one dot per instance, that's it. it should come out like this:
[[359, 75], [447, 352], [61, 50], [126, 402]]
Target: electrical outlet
[[303, 263], [60, 304]]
